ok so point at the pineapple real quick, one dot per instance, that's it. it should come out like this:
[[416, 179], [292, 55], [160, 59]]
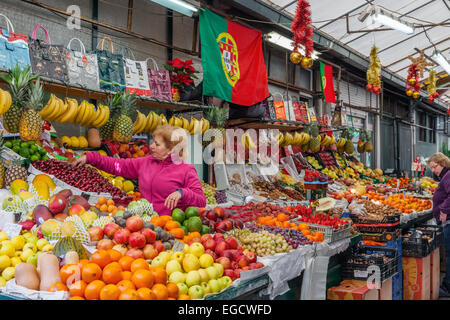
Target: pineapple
[[113, 102], [314, 142], [123, 128], [15, 171], [19, 81], [2, 167], [218, 118], [30, 125], [348, 147]]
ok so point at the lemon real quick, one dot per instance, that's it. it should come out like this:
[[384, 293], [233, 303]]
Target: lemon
[[118, 183], [26, 235], [3, 236], [25, 254], [8, 273], [5, 262], [31, 246], [15, 261], [7, 249], [128, 186], [2, 282], [47, 247], [18, 242], [41, 243]]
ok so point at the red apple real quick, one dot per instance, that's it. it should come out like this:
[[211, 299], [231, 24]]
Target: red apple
[[149, 252], [234, 265], [121, 236], [243, 261], [105, 244], [137, 240], [228, 225], [219, 211], [229, 273], [231, 242], [206, 237], [135, 253], [221, 247], [110, 229], [221, 227], [218, 236], [95, 233], [150, 235], [211, 253], [135, 223], [237, 273], [225, 262], [236, 255], [159, 246], [250, 256], [212, 215], [209, 244]]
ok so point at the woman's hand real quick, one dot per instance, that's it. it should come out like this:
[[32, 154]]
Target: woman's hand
[[172, 200], [78, 162], [443, 217]]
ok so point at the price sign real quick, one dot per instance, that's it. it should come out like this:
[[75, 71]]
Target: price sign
[[178, 246], [12, 229], [361, 274]]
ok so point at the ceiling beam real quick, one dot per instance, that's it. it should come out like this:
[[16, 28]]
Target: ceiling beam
[[347, 13]]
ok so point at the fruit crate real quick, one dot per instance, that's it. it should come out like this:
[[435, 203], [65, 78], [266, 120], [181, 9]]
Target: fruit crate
[[418, 247], [382, 237], [438, 233], [356, 266], [330, 154], [329, 233], [387, 224]]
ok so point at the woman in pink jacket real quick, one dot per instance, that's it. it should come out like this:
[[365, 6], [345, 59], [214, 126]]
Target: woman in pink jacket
[[164, 179]]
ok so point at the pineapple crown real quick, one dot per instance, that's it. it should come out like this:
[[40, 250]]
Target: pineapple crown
[[128, 104], [113, 102], [314, 130], [19, 81], [217, 116], [36, 96]]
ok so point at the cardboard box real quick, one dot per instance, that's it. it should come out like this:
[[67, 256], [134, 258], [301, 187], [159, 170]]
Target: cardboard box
[[352, 290], [435, 274], [416, 278]]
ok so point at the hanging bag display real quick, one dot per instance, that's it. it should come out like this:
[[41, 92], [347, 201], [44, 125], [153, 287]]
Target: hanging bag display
[[279, 106], [48, 59], [82, 68], [13, 47], [136, 77], [110, 67], [159, 82]]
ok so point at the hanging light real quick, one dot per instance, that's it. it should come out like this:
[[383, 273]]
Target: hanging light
[[440, 59], [286, 43], [179, 6], [378, 15]]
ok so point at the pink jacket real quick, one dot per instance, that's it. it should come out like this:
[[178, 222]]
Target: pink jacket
[[157, 180]]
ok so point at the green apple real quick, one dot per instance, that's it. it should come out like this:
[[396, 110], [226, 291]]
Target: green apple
[[214, 285], [182, 288], [193, 278], [159, 262], [18, 242], [219, 268], [203, 275], [196, 249], [41, 243], [172, 266], [206, 260], [32, 239], [30, 246], [205, 287], [178, 277], [33, 259], [213, 273], [226, 281], [190, 263], [196, 292]]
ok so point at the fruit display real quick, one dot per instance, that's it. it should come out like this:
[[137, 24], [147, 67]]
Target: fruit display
[[220, 220], [27, 149], [327, 159], [191, 220], [371, 211], [325, 220], [400, 183], [407, 204], [275, 190], [84, 178], [213, 196], [136, 150], [428, 183], [340, 160], [314, 162], [75, 142]]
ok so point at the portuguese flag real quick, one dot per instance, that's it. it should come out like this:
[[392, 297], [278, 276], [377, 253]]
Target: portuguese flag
[[233, 64], [326, 77]]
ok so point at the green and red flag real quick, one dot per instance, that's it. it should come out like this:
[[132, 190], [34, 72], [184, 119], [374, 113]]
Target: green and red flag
[[233, 63], [326, 77]]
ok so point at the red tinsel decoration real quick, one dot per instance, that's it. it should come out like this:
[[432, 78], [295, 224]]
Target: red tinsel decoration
[[301, 28], [413, 75]]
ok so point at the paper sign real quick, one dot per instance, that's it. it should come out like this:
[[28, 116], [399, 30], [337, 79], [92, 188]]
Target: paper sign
[[178, 246], [12, 229], [361, 274]]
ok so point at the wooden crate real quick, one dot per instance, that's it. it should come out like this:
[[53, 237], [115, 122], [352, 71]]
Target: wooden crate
[[416, 278], [385, 293], [435, 274], [352, 290]]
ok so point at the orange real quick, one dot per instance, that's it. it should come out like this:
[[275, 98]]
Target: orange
[[114, 254], [146, 294], [172, 225], [129, 294], [195, 234], [112, 273], [184, 297], [139, 264], [142, 278], [125, 284], [121, 208], [104, 208], [76, 298], [83, 262], [160, 291], [91, 272], [126, 275], [92, 291], [70, 272], [282, 217], [101, 200], [111, 208], [172, 290], [125, 263], [177, 233], [109, 292], [77, 288], [159, 275], [101, 257], [98, 206], [58, 286], [110, 202]]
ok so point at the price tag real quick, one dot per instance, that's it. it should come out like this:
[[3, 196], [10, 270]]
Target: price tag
[[360, 274], [178, 246], [12, 229]]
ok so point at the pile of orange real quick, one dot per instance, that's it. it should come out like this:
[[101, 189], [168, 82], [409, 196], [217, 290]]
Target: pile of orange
[[192, 237], [170, 225], [108, 275], [407, 204], [402, 182], [135, 195], [375, 196], [108, 206], [282, 221]]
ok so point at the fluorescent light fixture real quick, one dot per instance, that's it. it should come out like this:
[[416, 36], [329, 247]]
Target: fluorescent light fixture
[[179, 6], [375, 14], [440, 59], [286, 43]]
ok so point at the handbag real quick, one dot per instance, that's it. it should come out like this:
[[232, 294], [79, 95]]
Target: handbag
[[136, 77], [110, 68], [159, 82], [13, 47], [48, 59], [82, 68]]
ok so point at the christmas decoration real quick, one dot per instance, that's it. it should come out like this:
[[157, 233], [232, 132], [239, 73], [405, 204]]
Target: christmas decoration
[[303, 32], [432, 94], [373, 74], [415, 69]]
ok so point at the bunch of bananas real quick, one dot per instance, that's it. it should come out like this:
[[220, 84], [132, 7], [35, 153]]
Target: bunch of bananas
[[194, 126], [150, 122], [85, 114], [301, 138], [327, 141], [5, 101]]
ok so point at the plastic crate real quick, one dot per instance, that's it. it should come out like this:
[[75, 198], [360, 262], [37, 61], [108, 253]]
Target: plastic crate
[[355, 267], [387, 224], [437, 231], [417, 247], [382, 237], [330, 234]]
